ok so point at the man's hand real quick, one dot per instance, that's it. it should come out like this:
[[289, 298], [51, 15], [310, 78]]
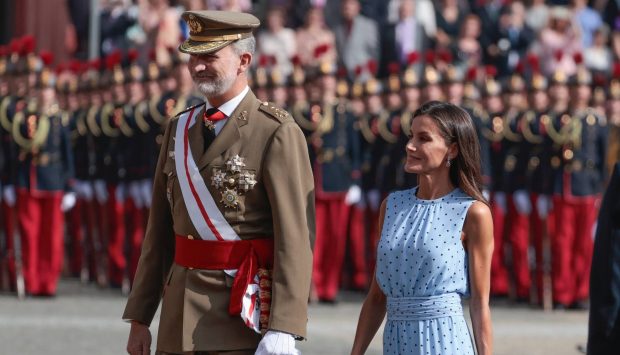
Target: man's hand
[[277, 343], [139, 342]]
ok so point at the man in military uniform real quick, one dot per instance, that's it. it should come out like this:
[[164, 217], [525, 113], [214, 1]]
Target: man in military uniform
[[228, 243], [578, 183]]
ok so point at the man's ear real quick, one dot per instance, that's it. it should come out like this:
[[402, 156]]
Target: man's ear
[[246, 60]]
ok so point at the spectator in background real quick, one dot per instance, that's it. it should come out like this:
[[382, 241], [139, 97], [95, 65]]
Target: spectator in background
[[313, 35], [588, 21], [228, 5], [161, 25], [277, 41], [599, 57], [511, 41], [405, 37], [558, 42], [357, 38], [537, 15], [425, 13], [115, 21], [449, 18], [468, 49]]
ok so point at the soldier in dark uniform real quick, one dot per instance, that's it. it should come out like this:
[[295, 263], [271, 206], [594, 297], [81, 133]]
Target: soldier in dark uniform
[[44, 171], [515, 155], [613, 115], [431, 83], [492, 130], [336, 171], [538, 174], [411, 96], [578, 183]]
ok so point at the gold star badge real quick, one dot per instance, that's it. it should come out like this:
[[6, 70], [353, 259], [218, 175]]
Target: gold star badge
[[230, 198]]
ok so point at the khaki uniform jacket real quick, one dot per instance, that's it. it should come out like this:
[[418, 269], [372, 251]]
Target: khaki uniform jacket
[[194, 314]]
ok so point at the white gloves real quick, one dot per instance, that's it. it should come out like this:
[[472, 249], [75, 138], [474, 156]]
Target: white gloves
[[68, 201], [8, 195], [120, 193], [522, 202], [374, 199], [277, 343], [101, 191], [500, 200], [543, 205], [486, 194], [354, 195], [135, 194], [146, 189], [84, 190]]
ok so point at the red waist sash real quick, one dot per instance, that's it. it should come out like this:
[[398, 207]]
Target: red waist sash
[[247, 256]]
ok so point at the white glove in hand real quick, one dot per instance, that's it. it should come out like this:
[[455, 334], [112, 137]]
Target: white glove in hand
[[354, 195], [500, 200], [374, 199], [68, 201], [120, 193], [101, 191], [8, 194], [543, 205], [277, 343], [135, 194], [522, 202]]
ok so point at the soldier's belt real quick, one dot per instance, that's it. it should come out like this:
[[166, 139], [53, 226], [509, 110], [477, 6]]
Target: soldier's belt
[[247, 256]]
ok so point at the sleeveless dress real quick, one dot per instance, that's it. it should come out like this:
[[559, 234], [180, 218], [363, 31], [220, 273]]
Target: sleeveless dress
[[422, 269]]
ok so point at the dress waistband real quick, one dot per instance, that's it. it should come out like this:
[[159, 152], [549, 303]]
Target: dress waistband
[[424, 308]]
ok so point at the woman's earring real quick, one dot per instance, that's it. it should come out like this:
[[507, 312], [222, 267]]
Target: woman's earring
[[448, 163]]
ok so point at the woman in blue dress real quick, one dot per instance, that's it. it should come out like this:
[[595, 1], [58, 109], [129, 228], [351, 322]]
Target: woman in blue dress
[[435, 246]]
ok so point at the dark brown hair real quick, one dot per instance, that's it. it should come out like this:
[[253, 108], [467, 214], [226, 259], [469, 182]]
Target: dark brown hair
[[456, 126]]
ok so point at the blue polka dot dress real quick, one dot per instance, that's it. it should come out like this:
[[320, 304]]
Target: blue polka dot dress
[[422, 269]]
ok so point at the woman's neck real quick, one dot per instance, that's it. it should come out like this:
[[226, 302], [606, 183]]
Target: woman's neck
[[434, 186]]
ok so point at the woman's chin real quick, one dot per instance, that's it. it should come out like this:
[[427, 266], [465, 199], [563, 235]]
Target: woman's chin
[[413, 168]]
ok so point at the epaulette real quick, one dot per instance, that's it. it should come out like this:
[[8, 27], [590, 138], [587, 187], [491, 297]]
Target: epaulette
[[188, 108], [279, 114]]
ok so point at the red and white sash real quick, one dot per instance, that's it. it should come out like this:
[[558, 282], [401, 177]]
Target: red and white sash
[[204, 212]]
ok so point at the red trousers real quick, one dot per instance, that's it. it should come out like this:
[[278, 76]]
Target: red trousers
[[135, 230], [499, 274], [8, 224], [357, 248], [41, 225], [517, 229], [539, 228], [571, 248], [116, 238], [374, 234], [329, 246]]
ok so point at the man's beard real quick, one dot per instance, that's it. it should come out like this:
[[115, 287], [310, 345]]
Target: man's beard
[[216, 86]]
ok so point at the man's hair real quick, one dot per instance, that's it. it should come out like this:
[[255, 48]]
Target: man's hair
[[244, 45]]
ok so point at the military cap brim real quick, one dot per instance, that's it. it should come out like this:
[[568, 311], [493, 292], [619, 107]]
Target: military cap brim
[[211, 31]]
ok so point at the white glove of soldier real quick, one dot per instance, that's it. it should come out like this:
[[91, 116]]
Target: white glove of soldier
[[68, 201], [522, 202], [120, 193], [83, 190], [354, 195], [500, 200], [135, 195], [277, 343], [101, 191], [8, 194], [146, 188], [374, 199], [543, 205], [486, 194]]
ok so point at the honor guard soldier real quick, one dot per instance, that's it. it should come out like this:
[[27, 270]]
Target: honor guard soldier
[[492, 131], [44, 174], [411, 96], [336, 171], [539, 150], [518, 204], [278, 87], [453, 84], [296, 85], [371, 154], [228, 243], [390, 170], [613, 152], [578, 183], [431, 80]]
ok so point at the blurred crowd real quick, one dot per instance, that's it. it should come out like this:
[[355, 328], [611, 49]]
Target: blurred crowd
[[541, 81]]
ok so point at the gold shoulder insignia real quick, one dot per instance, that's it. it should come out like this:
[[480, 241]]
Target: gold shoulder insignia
[[279, 114]]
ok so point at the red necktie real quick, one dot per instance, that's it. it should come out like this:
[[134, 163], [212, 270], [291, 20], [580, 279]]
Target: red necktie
[[213, 115]]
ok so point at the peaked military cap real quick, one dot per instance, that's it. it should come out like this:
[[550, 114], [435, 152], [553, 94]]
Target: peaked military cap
[[210, 31]]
